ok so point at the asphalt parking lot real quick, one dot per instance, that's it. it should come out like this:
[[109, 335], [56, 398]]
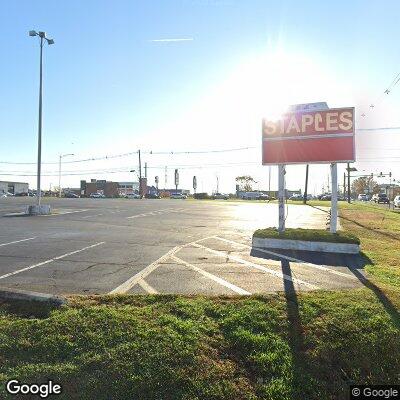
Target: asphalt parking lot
[[97, 246]]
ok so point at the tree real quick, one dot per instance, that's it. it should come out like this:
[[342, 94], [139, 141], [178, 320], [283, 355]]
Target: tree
[[245, 183], [364, 185]]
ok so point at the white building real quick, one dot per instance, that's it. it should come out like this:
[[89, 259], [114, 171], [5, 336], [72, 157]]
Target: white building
[[13, 187], [128, 187]]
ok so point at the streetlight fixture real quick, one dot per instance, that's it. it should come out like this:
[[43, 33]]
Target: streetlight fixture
[[133, 170], [59, 171], [49, 41]]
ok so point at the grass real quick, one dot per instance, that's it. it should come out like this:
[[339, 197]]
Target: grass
[[170, 347], [379, 232], [310, 346], [316, 235]]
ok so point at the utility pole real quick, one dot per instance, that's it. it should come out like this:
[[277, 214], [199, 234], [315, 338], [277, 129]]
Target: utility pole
[[344, 185], [306, 186], [165, 178], [140, 175], [217, 184], [145, 169]]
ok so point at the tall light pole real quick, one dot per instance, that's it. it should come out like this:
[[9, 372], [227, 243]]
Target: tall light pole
[[133, 170], [43, 37], [59, 172]]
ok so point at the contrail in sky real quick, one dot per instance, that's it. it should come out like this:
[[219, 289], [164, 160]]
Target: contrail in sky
[[172, 40]]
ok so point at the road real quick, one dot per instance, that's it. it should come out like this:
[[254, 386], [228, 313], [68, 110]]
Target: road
[[97, 246]]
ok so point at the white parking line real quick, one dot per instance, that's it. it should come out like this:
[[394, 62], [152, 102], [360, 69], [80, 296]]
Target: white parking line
[[146, 287], [221, 281], [49, 261], [131, 282], [278, 274], [157, 212], [93, 215], [17, 241], [316, 266]]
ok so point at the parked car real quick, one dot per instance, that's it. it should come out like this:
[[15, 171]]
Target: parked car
[[263, 196], [21, 194], [132, 196], [220, 196], [396, 202], [296, 197], [362, 197], [326, 197], [97, 196], [255, 196], [178, 196], [71, 195], [380, 198], [152, 196]]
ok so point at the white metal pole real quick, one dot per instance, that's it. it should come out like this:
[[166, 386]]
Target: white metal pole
[[39, 162], [334, 198], [281, 197], [59, 177]]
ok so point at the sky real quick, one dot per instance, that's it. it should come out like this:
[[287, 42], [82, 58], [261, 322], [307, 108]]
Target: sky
[[113, 84]]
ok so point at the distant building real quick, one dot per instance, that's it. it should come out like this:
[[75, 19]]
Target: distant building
[[13, 187], [109, 189], [128, 188]]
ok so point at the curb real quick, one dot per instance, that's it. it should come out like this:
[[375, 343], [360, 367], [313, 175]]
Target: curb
[[287, 244], [16, 295]]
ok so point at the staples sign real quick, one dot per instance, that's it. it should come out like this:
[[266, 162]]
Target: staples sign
[[304, 137]]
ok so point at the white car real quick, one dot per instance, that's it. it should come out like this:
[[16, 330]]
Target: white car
[[132, 196], [97, 196], [362, 197], [178, 196], [396, 201]]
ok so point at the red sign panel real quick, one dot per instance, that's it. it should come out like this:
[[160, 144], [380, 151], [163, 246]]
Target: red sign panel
[[305, 137]]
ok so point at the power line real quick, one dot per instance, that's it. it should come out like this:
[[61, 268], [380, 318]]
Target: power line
[[150, 152]]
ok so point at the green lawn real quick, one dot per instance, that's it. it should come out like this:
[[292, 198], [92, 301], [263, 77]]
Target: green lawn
[[275, 347], [316, 235]]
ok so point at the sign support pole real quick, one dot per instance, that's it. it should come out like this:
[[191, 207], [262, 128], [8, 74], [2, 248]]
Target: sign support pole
[[281, 197], [306, 186], [334, 198]]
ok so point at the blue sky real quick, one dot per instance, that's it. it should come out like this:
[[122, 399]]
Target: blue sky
[[109, 89]]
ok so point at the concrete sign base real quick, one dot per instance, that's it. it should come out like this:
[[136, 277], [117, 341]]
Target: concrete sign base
[[43, 209]]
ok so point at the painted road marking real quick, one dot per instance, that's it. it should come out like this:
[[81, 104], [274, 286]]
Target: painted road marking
[[316, 266], [215, 278], [131, 282], [228, 256], [49, 261], [146, 287], [93, 215], [17, 241], [157, 212]]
